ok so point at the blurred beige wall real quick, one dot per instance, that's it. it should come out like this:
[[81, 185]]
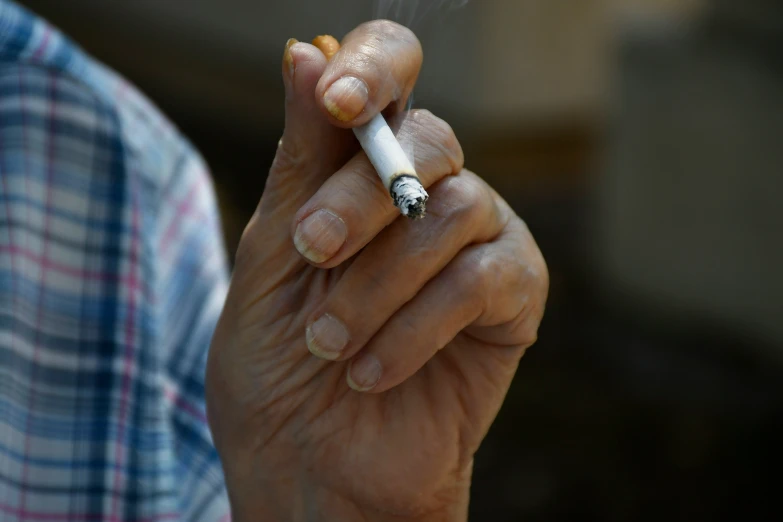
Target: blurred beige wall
[[546, 58], [688, 207], [495, 62]]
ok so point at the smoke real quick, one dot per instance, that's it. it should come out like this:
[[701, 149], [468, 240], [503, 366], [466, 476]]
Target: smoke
[[414, 12]]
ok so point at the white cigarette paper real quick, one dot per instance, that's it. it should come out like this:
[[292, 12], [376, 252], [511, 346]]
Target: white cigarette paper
[[393, 166]]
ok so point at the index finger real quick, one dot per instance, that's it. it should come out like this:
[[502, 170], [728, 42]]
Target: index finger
[[377, 66]]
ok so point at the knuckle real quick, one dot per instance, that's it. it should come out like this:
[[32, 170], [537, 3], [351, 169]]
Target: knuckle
[[437, 127], [539, 272], [523, 331], [497, 271], [504, 276], [408, 329], [359, 183], [372, 62], [534, 266], [290, 157], [524, 284], [377, 285], [367, 55], [460, 198], [251, 245], [438, 134], [511, 283], [475, 274], [526, 293]]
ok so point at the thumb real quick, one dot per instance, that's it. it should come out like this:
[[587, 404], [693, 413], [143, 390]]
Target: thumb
[[310, 150]]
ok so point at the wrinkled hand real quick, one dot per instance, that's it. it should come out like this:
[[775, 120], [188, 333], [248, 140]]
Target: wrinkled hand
[[425, 320]]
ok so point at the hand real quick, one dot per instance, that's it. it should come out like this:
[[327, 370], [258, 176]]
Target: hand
[[425, 320]]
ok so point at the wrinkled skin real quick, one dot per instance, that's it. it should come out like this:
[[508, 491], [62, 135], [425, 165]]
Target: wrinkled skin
[[442, 308]]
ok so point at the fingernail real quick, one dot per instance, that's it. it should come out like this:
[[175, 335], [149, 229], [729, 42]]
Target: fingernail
[[288, 58], [346, 98], [327, 338], [364, 372], [320, 236]]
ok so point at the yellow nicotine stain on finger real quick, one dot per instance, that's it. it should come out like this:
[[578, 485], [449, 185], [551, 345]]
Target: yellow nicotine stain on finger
[[311, 254], [320, 236], [327, 44], [346, 98], [335, 111], [288, 58]]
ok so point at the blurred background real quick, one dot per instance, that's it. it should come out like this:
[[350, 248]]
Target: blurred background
[[641, 140]]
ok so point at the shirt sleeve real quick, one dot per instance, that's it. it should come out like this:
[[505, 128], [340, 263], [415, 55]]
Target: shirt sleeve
[[112, 277], [192, 288]]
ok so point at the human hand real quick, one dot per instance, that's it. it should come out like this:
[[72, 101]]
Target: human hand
[[426, 319]]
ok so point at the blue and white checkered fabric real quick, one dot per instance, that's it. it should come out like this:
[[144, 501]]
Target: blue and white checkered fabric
[[112, 275]]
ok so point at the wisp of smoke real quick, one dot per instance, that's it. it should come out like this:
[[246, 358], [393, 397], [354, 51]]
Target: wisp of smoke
[[413, 12]]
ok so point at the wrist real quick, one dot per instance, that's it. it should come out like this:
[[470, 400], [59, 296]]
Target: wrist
[[288, 500], [280, 508]]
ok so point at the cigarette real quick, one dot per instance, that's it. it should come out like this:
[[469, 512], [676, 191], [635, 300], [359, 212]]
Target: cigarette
[[386, 155], [392, 165]]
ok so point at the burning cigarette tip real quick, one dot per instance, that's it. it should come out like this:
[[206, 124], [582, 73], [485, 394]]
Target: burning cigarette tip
[[393, 166], [409, 196]]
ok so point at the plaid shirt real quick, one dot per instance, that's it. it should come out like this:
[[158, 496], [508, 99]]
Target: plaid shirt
[[112, 275]]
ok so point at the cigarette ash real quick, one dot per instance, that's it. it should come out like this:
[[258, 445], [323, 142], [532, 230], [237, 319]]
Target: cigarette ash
[[409, 196]]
